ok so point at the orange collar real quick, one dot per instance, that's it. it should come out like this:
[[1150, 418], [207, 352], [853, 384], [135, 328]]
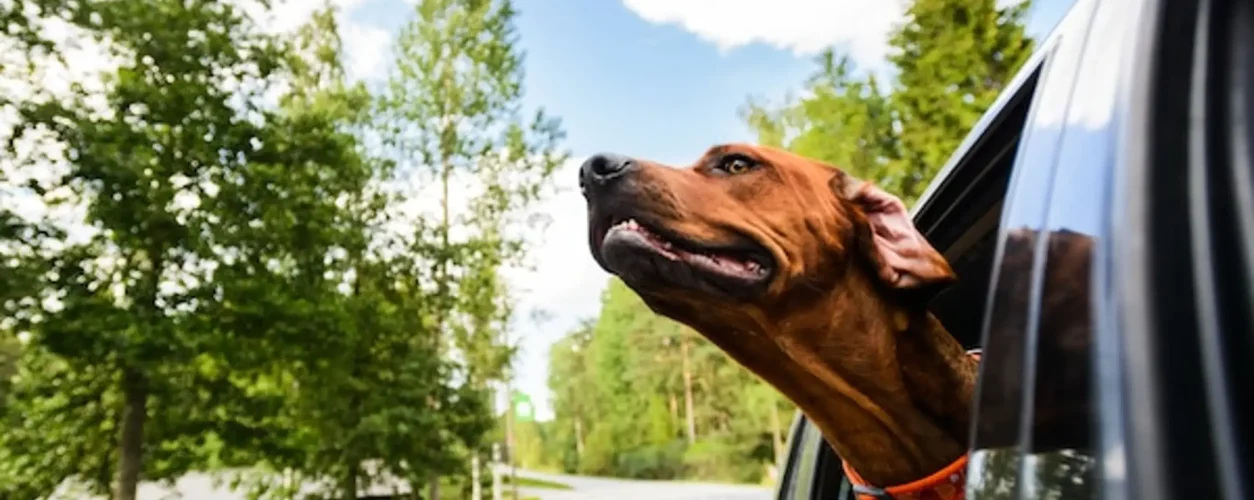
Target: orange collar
[[948, 483]]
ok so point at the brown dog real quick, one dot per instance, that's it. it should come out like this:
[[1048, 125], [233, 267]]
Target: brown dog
[[814, 280]]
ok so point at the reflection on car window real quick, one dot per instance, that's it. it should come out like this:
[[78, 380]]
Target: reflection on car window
[[1059, 446], [1024, 443]]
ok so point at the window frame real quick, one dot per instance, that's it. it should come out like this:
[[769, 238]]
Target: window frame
[[1175, 231]]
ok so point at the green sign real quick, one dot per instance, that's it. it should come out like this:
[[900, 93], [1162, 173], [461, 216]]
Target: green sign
[[524, 411]]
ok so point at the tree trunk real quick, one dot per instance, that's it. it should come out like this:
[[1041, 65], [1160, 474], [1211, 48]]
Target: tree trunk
[[578, 438], [348, 484], [442, 288], [692, 419], [476, 489], [776, 436], [674, 406], [433, 488], [131, 441]]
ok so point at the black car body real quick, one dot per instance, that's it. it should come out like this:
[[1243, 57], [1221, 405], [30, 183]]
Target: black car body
[[1131, 129]]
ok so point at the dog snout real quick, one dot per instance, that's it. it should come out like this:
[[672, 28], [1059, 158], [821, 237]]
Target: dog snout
[[603, 169]]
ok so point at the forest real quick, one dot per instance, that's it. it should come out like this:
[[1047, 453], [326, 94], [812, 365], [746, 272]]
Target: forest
[[218, 251], [222, 253], [637, 395]]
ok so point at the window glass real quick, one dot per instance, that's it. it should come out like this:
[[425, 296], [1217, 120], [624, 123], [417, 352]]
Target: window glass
[[804, 461], [1059, 441], [998, 468], [830, 482]]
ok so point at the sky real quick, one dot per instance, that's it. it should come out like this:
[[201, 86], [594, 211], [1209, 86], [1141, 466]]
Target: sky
[[656, 79]]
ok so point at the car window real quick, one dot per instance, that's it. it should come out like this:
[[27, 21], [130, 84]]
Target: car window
[[1061, 412], [1034, 414], [802, 464], [830, 482]]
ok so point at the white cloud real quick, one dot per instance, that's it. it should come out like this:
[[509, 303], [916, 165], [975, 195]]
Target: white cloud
[[858, 27], [367, 50], [802, 26]]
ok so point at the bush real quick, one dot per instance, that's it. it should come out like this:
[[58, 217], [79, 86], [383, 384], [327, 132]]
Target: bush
[[653, 462], [723, 458]]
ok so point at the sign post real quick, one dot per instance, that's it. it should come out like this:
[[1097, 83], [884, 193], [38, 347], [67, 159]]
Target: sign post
[[521, 410], [496, 471]]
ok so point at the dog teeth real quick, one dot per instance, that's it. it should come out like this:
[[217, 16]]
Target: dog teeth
[[630, 224], [755, 267], [723, 262]]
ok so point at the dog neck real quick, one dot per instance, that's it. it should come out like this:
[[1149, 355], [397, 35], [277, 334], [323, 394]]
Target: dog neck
[[889, 388], [886, 384]]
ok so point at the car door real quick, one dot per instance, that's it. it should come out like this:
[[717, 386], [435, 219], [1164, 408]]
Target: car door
[[1121, 313], [959, 214], [1117, 333], [1175, 298]]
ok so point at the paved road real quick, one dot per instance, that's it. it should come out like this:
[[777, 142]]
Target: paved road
[[600, 488], [215, 486]]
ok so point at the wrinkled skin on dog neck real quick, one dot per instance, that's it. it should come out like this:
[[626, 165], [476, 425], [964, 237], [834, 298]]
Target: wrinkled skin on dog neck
[[836, 320]]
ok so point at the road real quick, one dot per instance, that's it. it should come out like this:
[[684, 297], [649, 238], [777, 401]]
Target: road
[[214, 486], [601, 488]]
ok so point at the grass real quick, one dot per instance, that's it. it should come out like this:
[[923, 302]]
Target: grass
[[536, 483]]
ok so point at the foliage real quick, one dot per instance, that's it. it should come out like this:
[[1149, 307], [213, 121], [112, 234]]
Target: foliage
[[249, 293], [618, 383], [145, 158], [952, 58], [261, 279], [451, 117], [619, 401], [838, 103]]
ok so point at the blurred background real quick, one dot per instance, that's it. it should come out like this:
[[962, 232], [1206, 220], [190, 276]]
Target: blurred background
[[331, 249]]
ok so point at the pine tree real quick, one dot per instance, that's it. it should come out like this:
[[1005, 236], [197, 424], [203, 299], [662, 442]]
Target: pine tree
[[953, 58], [845, 119]]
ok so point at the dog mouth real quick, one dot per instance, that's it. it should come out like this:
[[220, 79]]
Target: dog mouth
[[642, 253]]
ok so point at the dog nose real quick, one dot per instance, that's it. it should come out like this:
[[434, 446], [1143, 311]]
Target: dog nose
[[602, 168]]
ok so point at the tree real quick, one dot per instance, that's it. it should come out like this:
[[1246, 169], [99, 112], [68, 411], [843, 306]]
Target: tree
[[953, 58], [139, 164], [844, 119], [617, 386], [609, 380], [367, 384], [451, 115], [225, 226], [574, 393]]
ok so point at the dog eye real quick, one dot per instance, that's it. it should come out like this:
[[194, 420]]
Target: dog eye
[[735, 165]]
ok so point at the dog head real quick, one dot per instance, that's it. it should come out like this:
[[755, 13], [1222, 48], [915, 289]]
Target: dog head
[[750, 229]]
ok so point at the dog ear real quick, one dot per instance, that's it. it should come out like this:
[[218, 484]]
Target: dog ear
[[901, 255]]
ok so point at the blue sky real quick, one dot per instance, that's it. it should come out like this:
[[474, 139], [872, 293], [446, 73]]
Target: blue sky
[[659, 79]]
